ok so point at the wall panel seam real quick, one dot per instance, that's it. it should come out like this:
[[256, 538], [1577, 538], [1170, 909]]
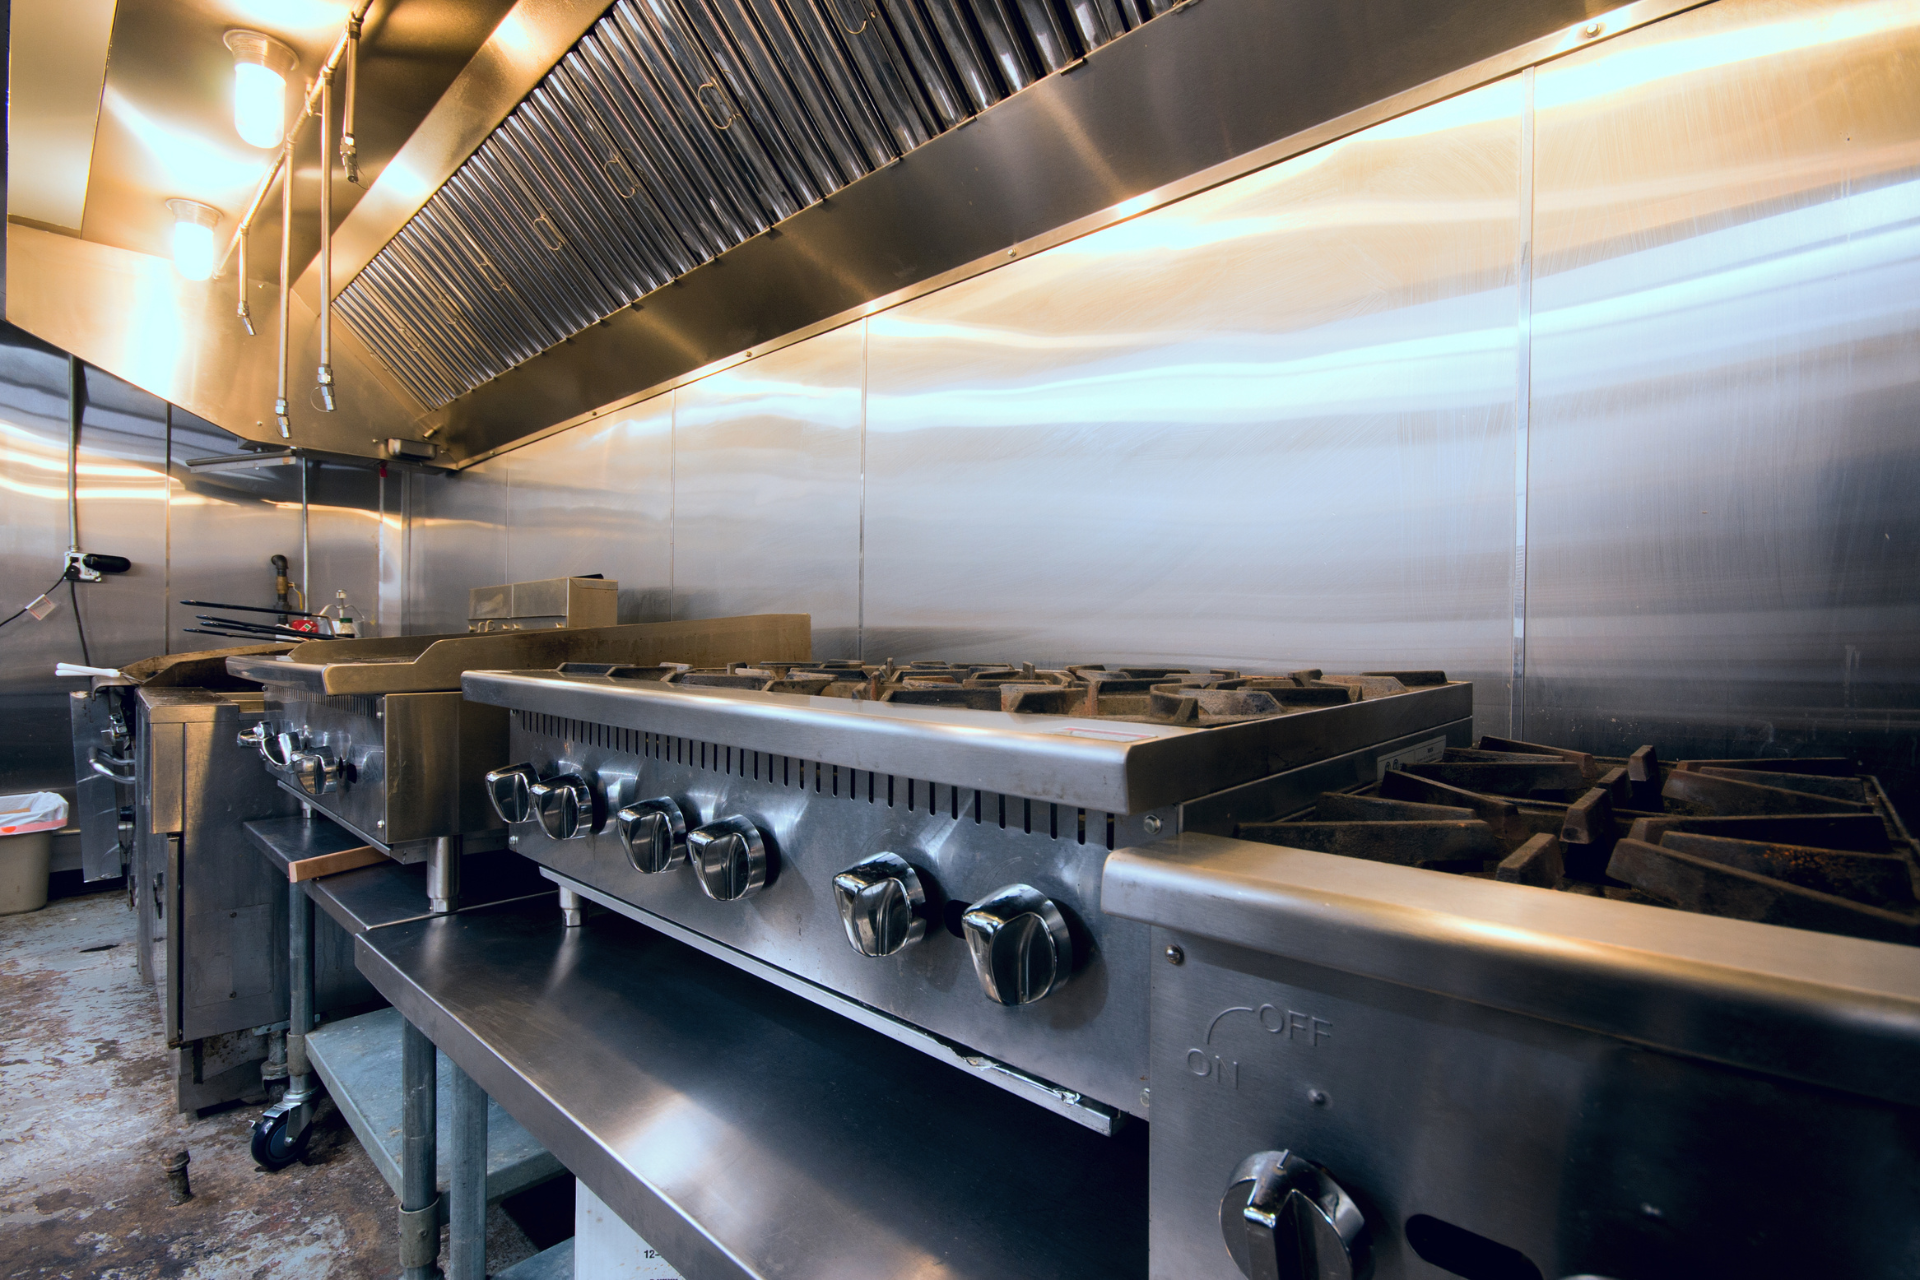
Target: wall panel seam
[[1523, 361]]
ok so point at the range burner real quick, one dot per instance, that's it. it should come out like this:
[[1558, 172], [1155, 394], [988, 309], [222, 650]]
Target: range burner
[[1145, 695], [1809, 844], [919, 845]]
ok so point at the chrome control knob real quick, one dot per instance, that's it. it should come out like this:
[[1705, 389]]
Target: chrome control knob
[[730, 858], [565, 806], [315, 772], [1020, 945], [1284, 1218], [882, 905], [279, 749], [511, 790], [654, 834], [255, 736]]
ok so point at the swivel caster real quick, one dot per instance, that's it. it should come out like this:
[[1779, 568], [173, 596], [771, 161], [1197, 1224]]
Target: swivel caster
[[280, 1136]]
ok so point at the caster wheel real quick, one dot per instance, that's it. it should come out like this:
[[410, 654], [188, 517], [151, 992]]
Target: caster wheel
[[273, 1147]]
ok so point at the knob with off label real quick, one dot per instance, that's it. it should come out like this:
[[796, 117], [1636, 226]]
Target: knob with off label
[[1285, 1218], [882, 905], [511, 790], [730, 858], [565, 806], [654, 834], [1019, 942]]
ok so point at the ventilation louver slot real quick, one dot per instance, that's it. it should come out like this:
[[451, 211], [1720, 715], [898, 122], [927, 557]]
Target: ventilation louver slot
[[673, 131]]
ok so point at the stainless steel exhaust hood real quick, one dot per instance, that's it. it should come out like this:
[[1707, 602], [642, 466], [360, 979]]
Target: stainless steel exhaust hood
[[609, 200], [694, 179]]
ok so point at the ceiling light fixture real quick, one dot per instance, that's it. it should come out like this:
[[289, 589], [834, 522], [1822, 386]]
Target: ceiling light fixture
[[193, 225], [261, 66]]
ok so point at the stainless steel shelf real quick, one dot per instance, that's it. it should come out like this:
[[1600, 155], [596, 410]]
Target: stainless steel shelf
[[387, 892], [359, 1061], [744, 1131]]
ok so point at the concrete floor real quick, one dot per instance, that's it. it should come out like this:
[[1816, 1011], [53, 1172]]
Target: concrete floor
[[86, 1117]]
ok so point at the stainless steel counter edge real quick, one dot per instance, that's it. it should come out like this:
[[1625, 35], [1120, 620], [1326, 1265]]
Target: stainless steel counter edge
[[1838, 1012], [541, 1114], [1036, 757]]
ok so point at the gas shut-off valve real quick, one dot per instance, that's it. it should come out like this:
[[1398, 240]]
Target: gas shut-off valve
[[1285, 1218]]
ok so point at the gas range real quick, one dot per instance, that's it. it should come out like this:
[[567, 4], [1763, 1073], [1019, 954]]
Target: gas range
[[920, 846]]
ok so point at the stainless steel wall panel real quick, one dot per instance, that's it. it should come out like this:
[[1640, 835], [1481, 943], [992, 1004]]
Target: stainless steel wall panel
[[343, 537], [1724, 550], [224, 526], [1272, 424], [122, 512], [456, 539], [766, 481], [598, 501]]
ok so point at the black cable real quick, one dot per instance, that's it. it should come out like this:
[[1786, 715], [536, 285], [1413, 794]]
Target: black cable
[[29, 604], [73, 596]]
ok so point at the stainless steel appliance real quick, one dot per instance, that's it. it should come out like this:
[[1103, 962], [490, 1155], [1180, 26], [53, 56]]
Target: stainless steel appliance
[[375, 734], [104, 718], [548, 603], [212, 915], [920, 847], [1531, 1066], [1359, 1065]]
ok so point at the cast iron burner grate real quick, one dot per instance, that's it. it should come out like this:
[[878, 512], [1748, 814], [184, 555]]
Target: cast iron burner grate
[[1145, 695], [1809, 844]]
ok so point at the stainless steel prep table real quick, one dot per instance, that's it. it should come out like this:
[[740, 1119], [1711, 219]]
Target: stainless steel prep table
[[358, 1058], [746, 1132]]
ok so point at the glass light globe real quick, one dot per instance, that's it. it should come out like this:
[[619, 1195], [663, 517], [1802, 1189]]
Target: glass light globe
[[193, 247], [193, 250], [259, 104]]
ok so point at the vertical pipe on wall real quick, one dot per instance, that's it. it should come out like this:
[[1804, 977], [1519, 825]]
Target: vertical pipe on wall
[[349, 149], [240, 282], [1523, 374], [76, 391], [324, 375], [860, 584], [286, 285], [166, 536], [306, 548]]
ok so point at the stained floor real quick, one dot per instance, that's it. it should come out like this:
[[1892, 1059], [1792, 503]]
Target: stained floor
[[86, 1118]]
